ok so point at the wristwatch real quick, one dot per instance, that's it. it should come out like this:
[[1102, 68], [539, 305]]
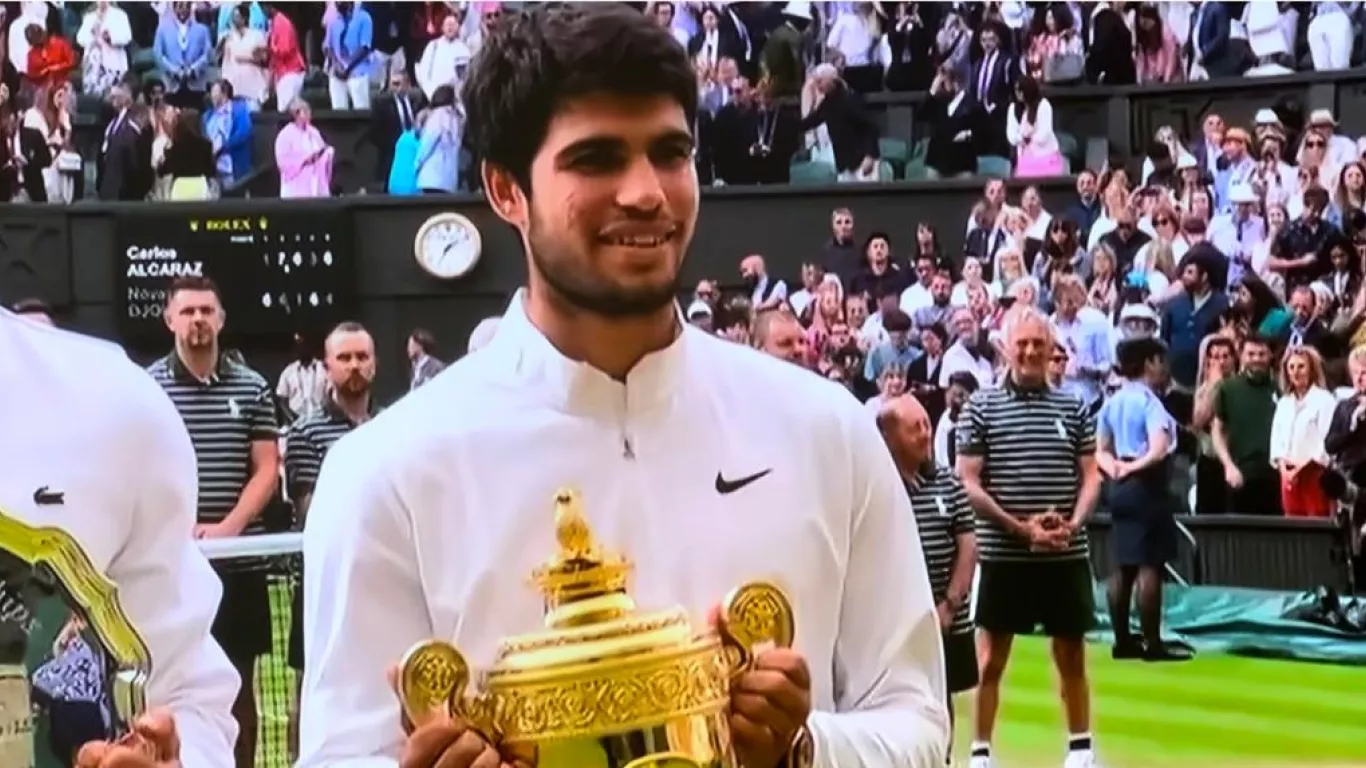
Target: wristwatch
[[802, 753]]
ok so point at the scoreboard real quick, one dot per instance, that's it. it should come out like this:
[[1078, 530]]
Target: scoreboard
[[279, 273]]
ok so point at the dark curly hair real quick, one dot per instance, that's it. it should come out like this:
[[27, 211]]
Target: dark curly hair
[[538, 58]]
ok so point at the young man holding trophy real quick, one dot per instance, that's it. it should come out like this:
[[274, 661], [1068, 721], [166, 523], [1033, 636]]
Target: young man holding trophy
[[98, 491], [745, 490]]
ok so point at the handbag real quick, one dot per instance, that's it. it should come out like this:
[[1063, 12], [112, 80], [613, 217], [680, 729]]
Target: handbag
[[1064, 67], [69, 162]]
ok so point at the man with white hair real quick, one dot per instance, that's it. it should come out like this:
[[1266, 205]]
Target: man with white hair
[[827, 100]]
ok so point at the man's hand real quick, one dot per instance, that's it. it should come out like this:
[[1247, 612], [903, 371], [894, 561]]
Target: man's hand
[[768, 705], [1048, 531], [1233, 477], [450, 743], [221, 530], [945, 612], [153, 743]]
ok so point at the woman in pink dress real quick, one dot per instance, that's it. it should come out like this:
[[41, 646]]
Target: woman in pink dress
[[303, 156], [1029, 127]]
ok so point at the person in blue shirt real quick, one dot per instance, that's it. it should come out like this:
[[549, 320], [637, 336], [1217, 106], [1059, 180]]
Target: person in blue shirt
[[1134, 438]]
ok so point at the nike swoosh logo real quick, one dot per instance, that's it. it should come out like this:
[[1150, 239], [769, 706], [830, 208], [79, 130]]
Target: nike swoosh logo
[[45, 497], [724, 486]]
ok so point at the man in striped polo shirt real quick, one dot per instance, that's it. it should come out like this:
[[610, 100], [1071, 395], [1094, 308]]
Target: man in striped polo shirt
[[945, 520], [1026, 455], [230, 416], [349, 359]]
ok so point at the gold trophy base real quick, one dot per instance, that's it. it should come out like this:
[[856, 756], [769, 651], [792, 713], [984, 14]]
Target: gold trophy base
[[690, 741]]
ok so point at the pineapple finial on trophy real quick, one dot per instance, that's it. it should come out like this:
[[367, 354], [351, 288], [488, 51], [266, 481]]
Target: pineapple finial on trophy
[[580, 581]]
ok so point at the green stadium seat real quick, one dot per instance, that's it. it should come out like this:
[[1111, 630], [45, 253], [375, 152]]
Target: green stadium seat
[[812, 172], [916, 171], [894, 151], [885, 172], [1067, 144], [996, 167], [920, 149]]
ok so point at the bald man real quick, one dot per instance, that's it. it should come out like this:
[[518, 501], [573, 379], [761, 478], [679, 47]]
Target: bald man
[[945, 520], [779, 333], [764, 292]]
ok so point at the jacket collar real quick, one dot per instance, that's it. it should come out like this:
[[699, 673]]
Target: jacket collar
[[523, 351]]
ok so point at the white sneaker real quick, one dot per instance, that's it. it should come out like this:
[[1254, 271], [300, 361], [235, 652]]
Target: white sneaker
[[1081, 759], [979, 762]]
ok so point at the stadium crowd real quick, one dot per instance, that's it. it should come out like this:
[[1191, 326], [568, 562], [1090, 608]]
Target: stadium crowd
[[174, 85]]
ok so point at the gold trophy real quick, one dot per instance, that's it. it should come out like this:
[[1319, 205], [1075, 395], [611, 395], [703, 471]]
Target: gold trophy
[[67, 650], [603, 685]]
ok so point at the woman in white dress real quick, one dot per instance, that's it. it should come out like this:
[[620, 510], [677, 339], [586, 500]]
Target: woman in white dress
[[104, 37], [245, 59], [163, 122]]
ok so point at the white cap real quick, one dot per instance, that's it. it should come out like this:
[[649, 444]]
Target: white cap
[[1322, 117], [798, 10], [698, 309], [1140, 311], [1242, 193], [1266, 117]]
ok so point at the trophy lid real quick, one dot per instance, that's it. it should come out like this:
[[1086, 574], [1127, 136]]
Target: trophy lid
[[589, 616]]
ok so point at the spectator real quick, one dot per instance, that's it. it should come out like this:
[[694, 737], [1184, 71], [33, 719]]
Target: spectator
[[394, 115], [1103, 285], [1267, 36], [1110, 58], [287, 66], [303, 156], [765, 292], [1301, 422], [302, 387], [1085, 334], [1215, 51], [51, 59], [1157, 55], [162, 119], [924, 374], [422, 357], [348, 47], [1349, 195], [712, 43], [182, 48], [1218, 362], [228, 126], [441, 127], [785, 51], [190, 160], [1244, 406], [993, 85], [891, 385], [1189, 318], [103, 37], [51, 116], [25, 156], [1237, 233], [908, 47], [778, 333], [954, 121], [121, 171], [827, 100], [880, 275], [31, 12], [1295, 254], [973, 279], [897, 350], [444, 60], [1330, 34], [246, 59], [1056, 53]]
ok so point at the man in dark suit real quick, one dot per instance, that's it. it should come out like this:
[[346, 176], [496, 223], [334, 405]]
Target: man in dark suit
[[1214, 47], [23, 166], [122, 170], [715, 41], [393, 113], [955, 122], [422, 357], [993, 87]]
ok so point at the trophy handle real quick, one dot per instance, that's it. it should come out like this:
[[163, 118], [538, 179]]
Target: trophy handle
[[755, 616], [432, 681]]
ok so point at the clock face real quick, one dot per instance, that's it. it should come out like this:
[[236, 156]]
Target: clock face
[[448, 246]]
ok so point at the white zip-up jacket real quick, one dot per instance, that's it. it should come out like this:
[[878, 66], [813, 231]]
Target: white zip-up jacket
[[427, 521], [84, 422]]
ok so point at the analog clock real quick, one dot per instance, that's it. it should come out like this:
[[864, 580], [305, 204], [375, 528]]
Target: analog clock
[[447, 246]]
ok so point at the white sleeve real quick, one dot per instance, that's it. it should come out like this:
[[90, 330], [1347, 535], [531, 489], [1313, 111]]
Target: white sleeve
[[1280, 429], [890, 700], [1043, 125], [1013, 127], [169, 590], [363, 608]]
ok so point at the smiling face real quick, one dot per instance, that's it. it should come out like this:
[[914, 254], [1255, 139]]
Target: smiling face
[[611, 205]]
